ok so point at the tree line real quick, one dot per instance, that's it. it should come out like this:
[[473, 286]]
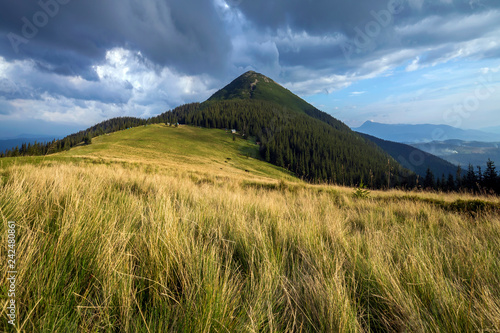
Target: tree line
[[70, 141], [313, 145], [473, 180]]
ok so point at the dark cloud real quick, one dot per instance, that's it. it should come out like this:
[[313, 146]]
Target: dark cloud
[[324, 16], [192, 37], [325, 37], [96, 59], [34, 81], [187, 35], [315, 17]]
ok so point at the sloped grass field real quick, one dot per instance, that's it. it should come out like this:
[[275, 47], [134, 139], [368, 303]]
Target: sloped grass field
[[200, 150], [110, 248], [145, 232]]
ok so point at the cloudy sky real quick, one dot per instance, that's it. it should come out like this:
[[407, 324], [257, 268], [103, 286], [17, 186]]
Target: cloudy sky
[[68, 64]]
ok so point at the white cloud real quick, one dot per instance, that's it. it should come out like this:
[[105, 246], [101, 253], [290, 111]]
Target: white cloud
[[128, 85], [487, 70], [414, 65], [318, 83], [151, 84]]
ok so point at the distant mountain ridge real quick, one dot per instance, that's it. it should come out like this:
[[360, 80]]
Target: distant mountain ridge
[[493, 129], [404, 133]]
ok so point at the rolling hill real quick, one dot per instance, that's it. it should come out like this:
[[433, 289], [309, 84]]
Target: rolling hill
[[197, 151]]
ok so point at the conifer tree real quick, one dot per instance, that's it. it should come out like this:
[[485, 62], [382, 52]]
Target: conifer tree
[[88, 139], [450, 184], [490, 176], [459, 177], [479, 175], [470, 178], [429, 181]]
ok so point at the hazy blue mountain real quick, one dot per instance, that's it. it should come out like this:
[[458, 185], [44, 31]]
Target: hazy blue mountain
[[423, 133], [494, 129], [413, 158], [463, 152]]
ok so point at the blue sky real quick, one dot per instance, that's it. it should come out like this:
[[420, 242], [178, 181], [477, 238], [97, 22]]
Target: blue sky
[[66, 65], [438, 95]]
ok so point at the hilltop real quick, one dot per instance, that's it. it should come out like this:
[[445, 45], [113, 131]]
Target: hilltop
[[255, 86]]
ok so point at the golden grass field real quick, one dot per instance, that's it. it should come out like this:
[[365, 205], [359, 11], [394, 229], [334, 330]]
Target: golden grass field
[[159, 229]]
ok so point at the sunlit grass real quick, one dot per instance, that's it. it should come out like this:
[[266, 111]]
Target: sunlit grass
[[105, 247], [108, 243]]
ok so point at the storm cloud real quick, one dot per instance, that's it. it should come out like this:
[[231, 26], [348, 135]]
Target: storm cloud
[[343, 36], [187, 35], [80, 62]]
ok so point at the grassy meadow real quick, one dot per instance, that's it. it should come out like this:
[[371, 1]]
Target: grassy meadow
[[159, 229]]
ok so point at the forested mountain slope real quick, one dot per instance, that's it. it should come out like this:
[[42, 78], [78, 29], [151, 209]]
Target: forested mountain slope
[[293, 134]]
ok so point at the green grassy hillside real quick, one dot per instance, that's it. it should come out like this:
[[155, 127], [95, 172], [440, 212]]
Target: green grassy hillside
[[161, 229], [294, 135], [206, 151]]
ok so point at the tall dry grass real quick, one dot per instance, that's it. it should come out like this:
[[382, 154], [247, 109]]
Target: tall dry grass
[[110, 248]]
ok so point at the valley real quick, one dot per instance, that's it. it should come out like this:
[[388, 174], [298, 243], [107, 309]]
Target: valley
[[463, 152]]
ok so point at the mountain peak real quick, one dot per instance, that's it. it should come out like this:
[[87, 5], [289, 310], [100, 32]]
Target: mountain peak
[[258, 87], [249, 85], [251, 73], [256, 75], [368, 123]]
